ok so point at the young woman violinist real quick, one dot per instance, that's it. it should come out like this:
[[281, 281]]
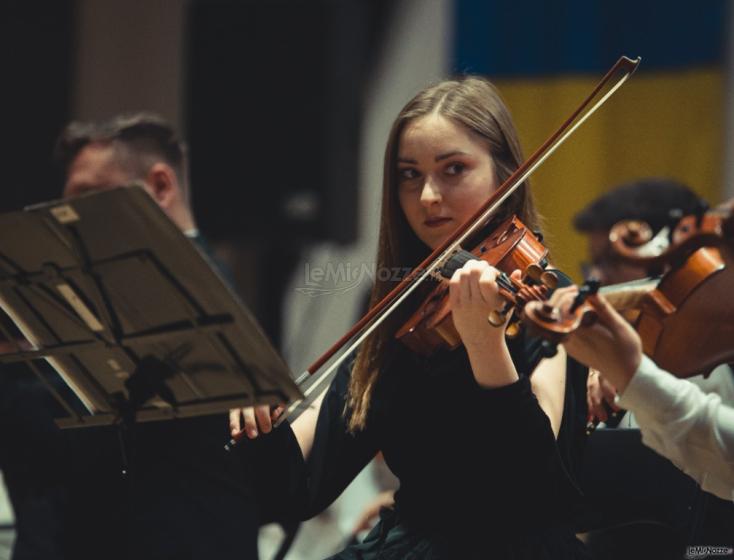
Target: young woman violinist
[[481, 438]]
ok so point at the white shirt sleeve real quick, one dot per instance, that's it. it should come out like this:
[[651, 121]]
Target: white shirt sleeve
[[691, 428]]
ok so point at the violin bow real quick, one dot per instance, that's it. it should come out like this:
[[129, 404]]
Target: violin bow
[[313, 385]]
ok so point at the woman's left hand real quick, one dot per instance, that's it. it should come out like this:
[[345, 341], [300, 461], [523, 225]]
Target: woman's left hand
[[474, 294]]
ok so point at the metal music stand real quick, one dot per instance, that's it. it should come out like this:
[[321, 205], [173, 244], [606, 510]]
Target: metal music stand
[[130, 313]]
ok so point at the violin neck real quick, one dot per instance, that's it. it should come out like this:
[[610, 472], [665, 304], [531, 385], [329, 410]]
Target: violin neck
[[628, 295]]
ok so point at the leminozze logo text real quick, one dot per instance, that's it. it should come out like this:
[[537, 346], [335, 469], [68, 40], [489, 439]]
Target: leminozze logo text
[[706, 551], [341, 277]]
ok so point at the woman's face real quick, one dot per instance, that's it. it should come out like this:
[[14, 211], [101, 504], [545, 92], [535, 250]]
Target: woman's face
[[445, 173]]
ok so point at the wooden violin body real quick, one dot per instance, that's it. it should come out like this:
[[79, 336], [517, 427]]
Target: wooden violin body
[[510, 247], [687, 323]]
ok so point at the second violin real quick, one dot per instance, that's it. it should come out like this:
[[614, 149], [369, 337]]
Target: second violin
[[686, 317]]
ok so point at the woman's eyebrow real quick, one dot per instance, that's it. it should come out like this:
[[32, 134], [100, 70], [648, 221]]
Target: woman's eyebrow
[[452, 153], [439, 157]]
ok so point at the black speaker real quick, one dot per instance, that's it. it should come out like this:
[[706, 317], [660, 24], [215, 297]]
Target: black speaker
[[274, 103]]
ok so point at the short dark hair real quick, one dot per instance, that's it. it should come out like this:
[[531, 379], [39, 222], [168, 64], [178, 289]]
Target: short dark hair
[[144, 136], [652, 200]]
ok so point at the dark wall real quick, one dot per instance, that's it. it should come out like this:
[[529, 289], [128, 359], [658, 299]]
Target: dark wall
[[36, 48], [274, 101]]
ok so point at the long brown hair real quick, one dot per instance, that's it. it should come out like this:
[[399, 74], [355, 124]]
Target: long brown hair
[[476, 104]]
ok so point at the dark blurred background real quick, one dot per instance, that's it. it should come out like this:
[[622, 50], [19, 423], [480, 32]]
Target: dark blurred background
[[285, 105], [269, 96]]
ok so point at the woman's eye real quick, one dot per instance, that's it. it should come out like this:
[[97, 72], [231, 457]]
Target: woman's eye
[[455, 168], [407, 173]]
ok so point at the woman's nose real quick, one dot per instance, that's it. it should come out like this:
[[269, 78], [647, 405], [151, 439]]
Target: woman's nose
[[430, 194]]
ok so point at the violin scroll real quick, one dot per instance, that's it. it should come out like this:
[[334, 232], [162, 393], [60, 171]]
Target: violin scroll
[[633, 242], [554, 324]]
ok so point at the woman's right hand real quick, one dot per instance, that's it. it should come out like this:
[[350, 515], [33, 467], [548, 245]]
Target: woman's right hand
[[252, 420]]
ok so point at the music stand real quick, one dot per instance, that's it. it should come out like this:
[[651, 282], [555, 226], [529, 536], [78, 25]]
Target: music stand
[[130, 313]]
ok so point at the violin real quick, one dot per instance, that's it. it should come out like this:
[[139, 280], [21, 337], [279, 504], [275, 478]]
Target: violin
[[685, 319], [511, 246]]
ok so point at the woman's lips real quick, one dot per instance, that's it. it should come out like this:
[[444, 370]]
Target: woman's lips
[[436, 222]]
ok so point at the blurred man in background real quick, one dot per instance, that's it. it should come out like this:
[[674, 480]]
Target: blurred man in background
[[184, 496], [656, 201]]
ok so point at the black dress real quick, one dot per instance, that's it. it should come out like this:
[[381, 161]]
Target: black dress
[[481, 474]]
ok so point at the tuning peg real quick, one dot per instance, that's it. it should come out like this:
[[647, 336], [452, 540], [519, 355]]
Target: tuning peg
[[549, 279], [533, 272], [538, 275], [590, 287]]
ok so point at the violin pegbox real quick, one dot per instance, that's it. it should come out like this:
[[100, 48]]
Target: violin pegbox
[[535, 284], [538, 275], [554, 324]]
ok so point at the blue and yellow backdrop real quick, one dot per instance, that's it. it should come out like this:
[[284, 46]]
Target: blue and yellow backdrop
[[667, 120]]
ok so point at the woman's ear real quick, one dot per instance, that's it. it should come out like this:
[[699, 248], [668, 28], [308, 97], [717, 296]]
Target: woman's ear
[[164, 185]]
